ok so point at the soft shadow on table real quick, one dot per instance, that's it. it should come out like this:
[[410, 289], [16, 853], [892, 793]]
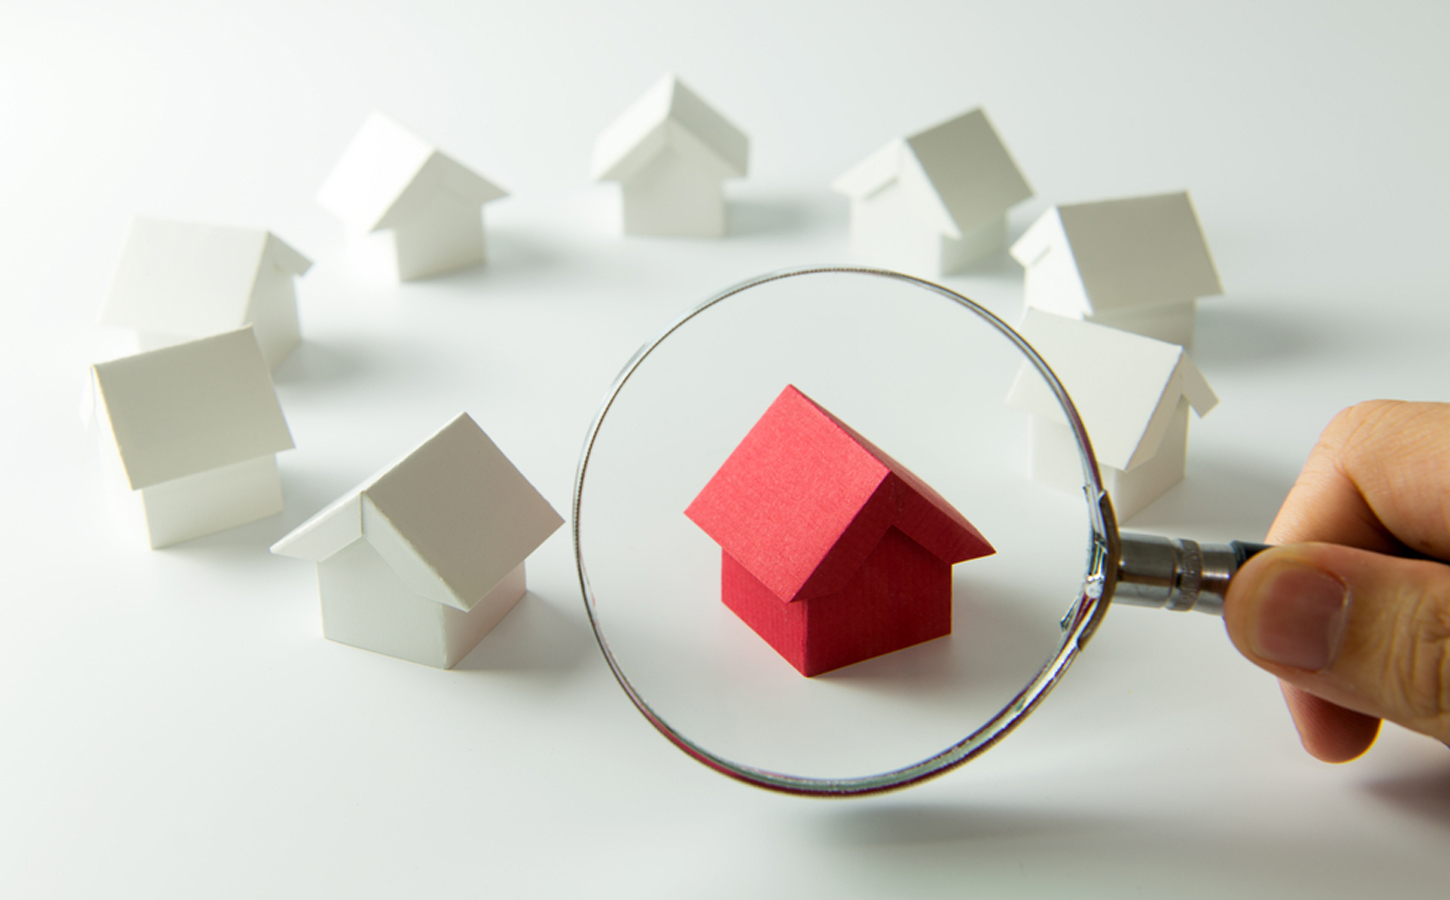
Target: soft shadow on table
[[512, 255], [1217, 497], [1256, 333], [304, 493], [536, 636], [1423, 794], [240, 545], [307, 491], [313, 362], [939, 849], [767, 217], [884, 825], [359, 364], [940, 670]]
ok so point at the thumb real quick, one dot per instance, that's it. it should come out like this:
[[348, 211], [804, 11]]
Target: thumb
[[1367, 632]]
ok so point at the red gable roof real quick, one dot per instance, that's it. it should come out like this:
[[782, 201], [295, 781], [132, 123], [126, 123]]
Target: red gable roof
[[804, 499]]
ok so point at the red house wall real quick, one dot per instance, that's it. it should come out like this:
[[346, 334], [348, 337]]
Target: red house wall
[[901, 595]]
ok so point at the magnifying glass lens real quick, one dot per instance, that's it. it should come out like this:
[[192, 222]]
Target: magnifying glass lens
[[922, 375]]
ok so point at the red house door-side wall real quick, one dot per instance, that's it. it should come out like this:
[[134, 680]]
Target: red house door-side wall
[[901, 595]]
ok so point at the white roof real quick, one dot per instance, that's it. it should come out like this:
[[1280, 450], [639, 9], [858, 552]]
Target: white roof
[[669, 115], [1126, 387], [388, 173], [452, 517], [1129, 252], [188, 278], [191, 407], [959, 174]]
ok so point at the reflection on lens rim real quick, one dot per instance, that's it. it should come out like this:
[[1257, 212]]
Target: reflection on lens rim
[[1081, 621]]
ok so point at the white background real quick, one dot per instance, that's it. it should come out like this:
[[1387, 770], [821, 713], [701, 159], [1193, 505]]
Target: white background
[[173, 725]]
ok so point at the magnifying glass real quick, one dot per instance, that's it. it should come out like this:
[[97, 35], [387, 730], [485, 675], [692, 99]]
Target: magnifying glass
[[922, 373]]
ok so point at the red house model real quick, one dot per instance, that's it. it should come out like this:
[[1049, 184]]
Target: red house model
[[831, 550]]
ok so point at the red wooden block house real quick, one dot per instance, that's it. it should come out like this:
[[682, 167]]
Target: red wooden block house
[[831, 550]]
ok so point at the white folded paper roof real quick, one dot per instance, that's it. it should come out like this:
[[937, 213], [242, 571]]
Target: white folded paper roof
[[388, 173], [191, 407], [1134, 251], [1126, 387], [452, 517], [958, 174], [668, 114], [190, 278]]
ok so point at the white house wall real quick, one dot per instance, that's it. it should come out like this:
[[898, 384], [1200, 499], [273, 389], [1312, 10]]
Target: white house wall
[[1135, 489], [211, 501], [674, 195], [445, 234], [124, 502], [887, 231], [273, 314], [143, 341], [464, 630], [365, 604], [1051, 284], [1055, 458], [1056, 461]]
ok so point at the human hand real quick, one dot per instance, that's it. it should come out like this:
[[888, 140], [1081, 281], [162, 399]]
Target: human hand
[[1354, 615]]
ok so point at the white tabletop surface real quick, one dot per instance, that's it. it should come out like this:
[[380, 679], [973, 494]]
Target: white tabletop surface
[[172, 724]]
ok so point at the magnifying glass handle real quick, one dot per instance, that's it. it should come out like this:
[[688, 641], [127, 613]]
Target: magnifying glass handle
[[1176, 573]]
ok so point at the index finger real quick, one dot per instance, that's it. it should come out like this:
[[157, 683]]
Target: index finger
[[1378, 479]]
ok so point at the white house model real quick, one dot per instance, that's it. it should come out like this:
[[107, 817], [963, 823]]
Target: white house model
[[422, 560], [422, 208], [670, 152], [189, 436], [1133, 394], [177, 281], [936, 201], [1139, 264]]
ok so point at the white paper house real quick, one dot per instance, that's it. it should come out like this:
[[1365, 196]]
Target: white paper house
[[422, 560], [936, 201], [177, 281], [422, 208], [1133, 394], [670, 152], [189, 436], [1139, 264]]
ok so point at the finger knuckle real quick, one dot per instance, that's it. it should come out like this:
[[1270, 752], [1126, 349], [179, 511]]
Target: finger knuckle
[[1424, 663]]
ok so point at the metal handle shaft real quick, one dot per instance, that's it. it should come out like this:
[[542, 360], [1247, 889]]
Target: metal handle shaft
[[1176, 573]]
